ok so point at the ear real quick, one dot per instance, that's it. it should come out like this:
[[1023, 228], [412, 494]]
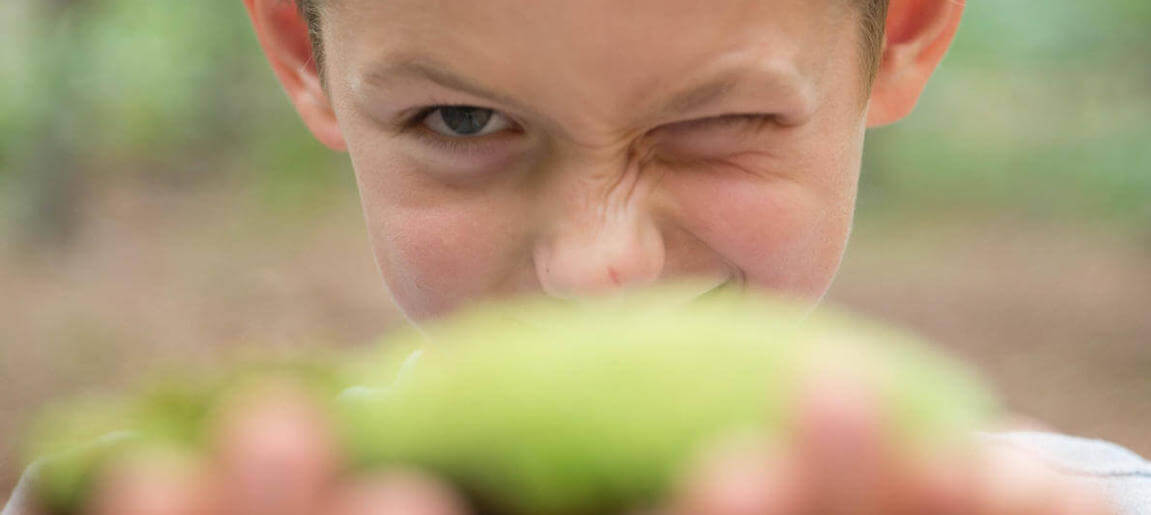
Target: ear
[[283, 34], [919, 32]]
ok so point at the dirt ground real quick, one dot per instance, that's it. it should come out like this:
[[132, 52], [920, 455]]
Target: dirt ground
[[1058, 317]]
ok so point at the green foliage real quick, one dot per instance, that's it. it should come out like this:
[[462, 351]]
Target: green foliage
[[1040, 108], [537, 407], [164, 91]]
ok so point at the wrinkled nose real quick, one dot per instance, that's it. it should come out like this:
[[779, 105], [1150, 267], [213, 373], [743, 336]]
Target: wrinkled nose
[[598, 246], [623, 252]]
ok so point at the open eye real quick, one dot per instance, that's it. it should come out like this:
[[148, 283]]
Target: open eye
[[464, 121]]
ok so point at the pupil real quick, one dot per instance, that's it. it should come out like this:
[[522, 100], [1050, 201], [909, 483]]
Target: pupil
[[465, 120]]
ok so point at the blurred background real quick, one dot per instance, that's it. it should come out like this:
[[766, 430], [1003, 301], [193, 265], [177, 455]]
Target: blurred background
[[161, 203]]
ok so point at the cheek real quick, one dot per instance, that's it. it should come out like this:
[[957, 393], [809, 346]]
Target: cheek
[[784, 235], [436, 247]]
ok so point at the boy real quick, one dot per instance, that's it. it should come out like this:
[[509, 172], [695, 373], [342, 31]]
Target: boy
[[573, 147]]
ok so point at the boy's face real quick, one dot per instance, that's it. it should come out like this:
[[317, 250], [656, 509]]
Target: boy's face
[[598, 150]]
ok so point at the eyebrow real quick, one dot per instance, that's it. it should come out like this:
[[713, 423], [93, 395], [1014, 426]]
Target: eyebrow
[[424, 69], [699, 96], [419, 67]]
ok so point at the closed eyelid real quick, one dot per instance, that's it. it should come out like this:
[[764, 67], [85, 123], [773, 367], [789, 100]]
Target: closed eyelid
[[750, 120]]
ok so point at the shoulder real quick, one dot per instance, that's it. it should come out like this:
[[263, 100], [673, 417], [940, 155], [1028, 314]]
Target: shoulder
[[1124, 475]]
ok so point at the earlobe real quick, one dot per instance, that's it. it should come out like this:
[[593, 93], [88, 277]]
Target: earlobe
[[286, 41], [918, 34]]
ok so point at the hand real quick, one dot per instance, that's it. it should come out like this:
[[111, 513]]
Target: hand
[[274, 455], [840, 462]]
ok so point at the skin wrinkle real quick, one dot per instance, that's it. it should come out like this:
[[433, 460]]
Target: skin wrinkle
[[593, 183], [734, 273], [772, 211], [618, 205], [627, 131], [780, 67]]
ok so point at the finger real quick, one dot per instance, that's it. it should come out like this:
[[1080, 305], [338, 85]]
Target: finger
[[739, 476], [1011, 482], [398, 492], [1085, 499], [998, 481], [940, 483], [275, 453], [845, 465], [152, 483]]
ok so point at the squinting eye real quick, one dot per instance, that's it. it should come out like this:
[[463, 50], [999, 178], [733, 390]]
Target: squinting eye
[[751, 121], [716, 136], [464, 121]]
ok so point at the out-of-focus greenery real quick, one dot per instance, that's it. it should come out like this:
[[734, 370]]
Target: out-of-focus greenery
[[171, 92], [1040, 108], [1043, 108]]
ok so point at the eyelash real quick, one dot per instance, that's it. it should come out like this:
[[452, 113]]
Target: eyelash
[[465, 145], [458, 145], [733, 119]]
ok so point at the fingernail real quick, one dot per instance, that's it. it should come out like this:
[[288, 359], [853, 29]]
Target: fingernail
[[1014, 481]]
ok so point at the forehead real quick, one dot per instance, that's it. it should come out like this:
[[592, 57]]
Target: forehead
[[603, 56]]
